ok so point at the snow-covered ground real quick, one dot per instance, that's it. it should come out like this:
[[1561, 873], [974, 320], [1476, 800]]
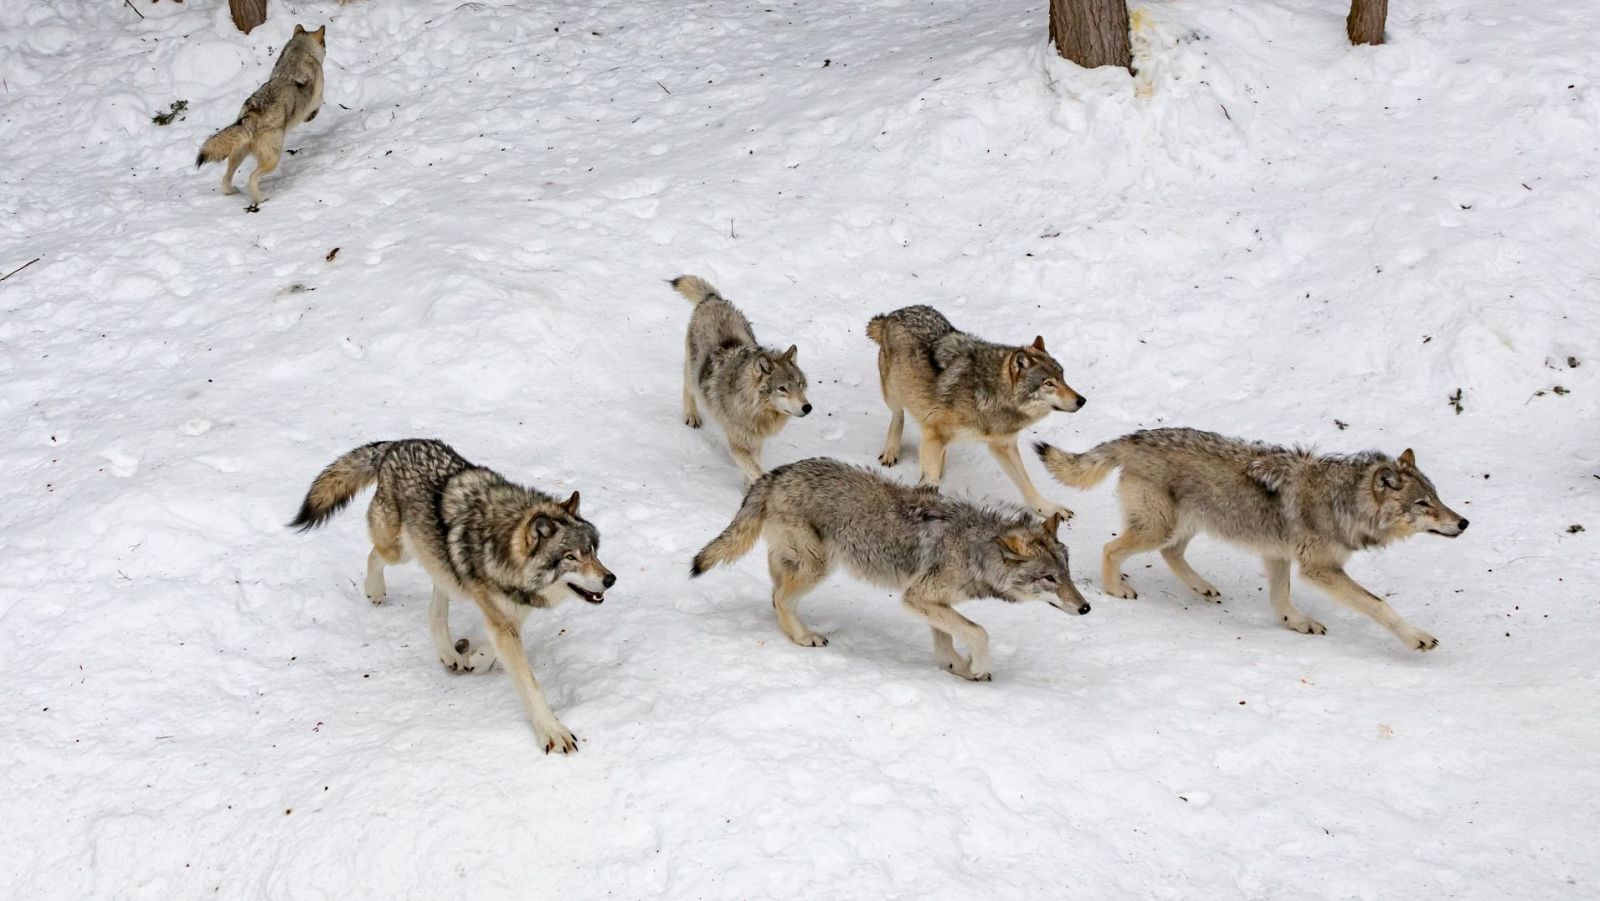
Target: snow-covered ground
[[1270, 233]]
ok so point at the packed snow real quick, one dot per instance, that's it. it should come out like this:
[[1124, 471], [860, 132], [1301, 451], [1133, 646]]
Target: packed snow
[[1266, 232]]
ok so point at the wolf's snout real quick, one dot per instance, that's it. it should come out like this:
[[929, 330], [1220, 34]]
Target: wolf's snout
[[1081, 401], [805, 409], [1083, 608], [609, 580], [1462, 525]]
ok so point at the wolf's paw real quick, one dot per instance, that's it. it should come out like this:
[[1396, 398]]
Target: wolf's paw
[[555, 737], [692, 420], [1048, 509], [1305, 625], [1418, 640], [1207, 590], [962, 666], [1121, 589], [889, 458], [811, 640], [464, 658], [229, 190]]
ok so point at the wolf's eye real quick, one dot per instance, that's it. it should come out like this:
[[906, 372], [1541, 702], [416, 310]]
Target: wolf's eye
[[782, 390], [571, 558], [1048, 579], [1049, 383], [1423, 504]]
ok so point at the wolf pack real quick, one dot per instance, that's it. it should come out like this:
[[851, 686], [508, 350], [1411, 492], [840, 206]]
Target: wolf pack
[[511, 549]]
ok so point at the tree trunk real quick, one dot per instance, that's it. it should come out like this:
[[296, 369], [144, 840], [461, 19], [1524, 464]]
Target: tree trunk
[[247, 14], [1365, 24], [1093, 32]]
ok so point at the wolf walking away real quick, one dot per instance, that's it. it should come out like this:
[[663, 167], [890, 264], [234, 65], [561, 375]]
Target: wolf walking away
[[937, 550], [751, 390], [963, 388], [507, 548], [291, 96], [1290, 506]]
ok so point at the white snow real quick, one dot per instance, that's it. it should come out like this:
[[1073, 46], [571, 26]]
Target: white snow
[[1268, 231]]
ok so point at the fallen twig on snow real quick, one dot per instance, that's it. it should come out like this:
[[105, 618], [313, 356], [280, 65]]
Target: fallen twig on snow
[[20, 268]]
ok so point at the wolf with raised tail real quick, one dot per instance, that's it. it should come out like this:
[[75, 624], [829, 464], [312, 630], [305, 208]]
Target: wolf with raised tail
[[509, 549], [936, 550], [962, 388], [291, 97], [1288, 505], [749, 389]]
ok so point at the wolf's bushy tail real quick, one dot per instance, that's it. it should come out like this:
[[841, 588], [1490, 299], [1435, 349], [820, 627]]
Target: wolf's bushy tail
[[697, 289], [1083, 470], [875, 328], [740, 536], [223, 144], [336, 485]]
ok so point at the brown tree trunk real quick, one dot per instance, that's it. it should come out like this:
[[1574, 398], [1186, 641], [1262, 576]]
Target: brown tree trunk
[[247, 14], [1092, 32], [1365, 24]]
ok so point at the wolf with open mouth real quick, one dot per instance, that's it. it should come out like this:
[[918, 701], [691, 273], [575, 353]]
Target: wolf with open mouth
[[507, 548]]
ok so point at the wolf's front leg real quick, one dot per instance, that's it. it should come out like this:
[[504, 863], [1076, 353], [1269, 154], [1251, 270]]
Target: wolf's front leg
[[1006, 452], [507, 638], [748, 459], [1344, 589], [944, 620]]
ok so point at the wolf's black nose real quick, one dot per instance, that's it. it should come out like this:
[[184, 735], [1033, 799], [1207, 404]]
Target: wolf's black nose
[[805, 409], [609, 580], [1083, 608], [1462, 525], [1081, 401]]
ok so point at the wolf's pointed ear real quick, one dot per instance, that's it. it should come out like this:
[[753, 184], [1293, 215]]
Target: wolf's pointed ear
[[789, 354], [1052, 524], [1013, 546], [571, 504], [1038, 343], [528, 535], [1387, 477], [1408, 459], [764, 363], [1017, 363], [299, 29]]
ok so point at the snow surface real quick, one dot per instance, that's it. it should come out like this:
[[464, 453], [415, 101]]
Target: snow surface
[[1268, 233]]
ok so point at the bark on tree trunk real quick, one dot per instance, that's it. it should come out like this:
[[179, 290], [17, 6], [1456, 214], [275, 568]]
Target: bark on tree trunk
[[247, 14], [1365, 24], [1092, 32]]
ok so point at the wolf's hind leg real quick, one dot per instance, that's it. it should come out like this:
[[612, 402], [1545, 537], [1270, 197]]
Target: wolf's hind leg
[[797, 568], [375, 587], [1278, 589], [234, 159], [1173, 554], [891, 442], [1147, 523], [691, 411]]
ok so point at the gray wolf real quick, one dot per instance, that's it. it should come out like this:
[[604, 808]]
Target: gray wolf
[[963, 388], [938, 551], [291, 96], [1288, 505], [749, 389], [508, 549]]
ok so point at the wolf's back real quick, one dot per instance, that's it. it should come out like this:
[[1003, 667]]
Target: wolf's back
[[338, 483]]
